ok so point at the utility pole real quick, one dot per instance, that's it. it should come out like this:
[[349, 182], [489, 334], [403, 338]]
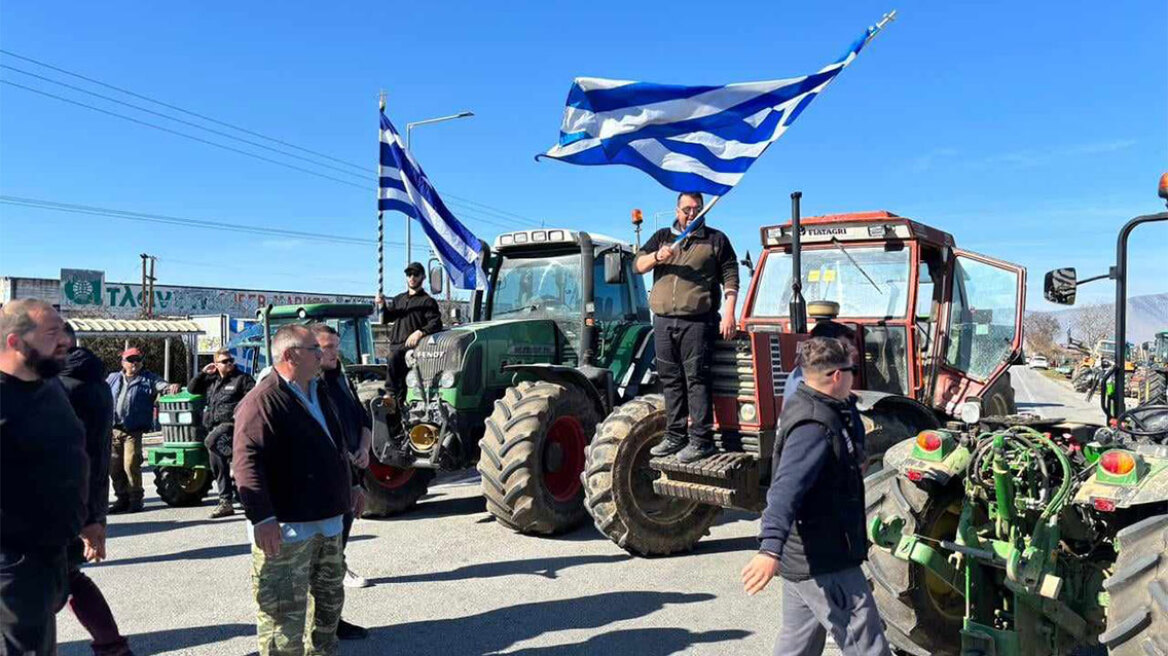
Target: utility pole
[[148, 285]]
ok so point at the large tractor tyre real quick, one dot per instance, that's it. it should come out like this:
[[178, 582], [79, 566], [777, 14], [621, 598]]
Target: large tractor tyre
[[999, 401], [922, 615], [618, 485], [182, 487], [1153, 390], [1137, 617], [532, 455], [883, 429], [391, 491]]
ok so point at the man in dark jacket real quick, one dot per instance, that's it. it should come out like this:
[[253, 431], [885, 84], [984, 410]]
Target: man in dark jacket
[[813, 526], [688, 283], [224, 387], [287, 433], [134, 390], [414, 314], [84, 380], [44, 476]]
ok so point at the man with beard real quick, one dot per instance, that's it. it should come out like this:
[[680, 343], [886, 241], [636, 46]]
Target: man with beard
[[134, 389], [44, 476], [224, 386], [84, 380], [414, 314], [358, 429]]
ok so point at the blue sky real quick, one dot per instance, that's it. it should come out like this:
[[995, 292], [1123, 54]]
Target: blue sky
[[1031, 131]]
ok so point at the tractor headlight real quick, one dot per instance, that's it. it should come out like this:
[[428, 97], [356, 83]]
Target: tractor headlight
[[164, 418], [970, 412], [412, 378], [748, 412], [185, 418], [411, 359], [446, 380]]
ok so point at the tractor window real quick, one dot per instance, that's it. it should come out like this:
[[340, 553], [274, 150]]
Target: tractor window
[[347, 328], [612, 301], [885, 359], [867, 281], [982, 318], [538, 288]]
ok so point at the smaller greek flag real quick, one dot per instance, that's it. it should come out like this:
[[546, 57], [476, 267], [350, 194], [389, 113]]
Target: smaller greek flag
[[688, 138], [405, 188]]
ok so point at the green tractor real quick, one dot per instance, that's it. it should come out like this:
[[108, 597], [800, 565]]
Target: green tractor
[[182, 473], [1153, 387], [560, 338], [1031, 536]]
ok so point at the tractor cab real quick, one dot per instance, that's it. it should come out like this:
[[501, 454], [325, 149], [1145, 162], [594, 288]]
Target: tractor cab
[[350, 320]]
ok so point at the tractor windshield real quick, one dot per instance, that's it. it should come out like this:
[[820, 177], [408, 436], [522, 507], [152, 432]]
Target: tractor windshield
[[866, 281], [538, 288]]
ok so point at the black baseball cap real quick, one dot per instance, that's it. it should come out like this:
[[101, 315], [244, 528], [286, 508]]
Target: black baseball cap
[[416, 268]]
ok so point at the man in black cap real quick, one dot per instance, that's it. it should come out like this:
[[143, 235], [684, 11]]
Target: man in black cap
[[414, 314]]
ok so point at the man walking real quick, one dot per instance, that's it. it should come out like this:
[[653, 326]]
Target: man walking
[[688, 283], [224, 387], [84, 380], [414, 314], [358, 430], [134, 390], [813, 526], [288, 433], [44, 476]]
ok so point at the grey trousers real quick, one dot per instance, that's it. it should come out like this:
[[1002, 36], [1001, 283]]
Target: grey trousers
[[840, 602]]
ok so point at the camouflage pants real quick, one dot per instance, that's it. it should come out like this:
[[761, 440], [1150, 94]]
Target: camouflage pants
[[299, 589]]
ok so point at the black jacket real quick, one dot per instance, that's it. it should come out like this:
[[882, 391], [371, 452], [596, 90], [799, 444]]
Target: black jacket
[[44, 472], [410, 312], [350, 412], [814, 519], [223, 394], [84, 381]]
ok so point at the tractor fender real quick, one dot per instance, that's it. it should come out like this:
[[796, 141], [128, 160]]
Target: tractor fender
[[563, 375], [909, 410], [1152, 490]]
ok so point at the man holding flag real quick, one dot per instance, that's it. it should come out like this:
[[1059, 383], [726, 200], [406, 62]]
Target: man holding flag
[[688, 282]]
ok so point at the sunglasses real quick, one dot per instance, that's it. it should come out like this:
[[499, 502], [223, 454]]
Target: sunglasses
[[132, 359], [226, 361], [855, 369]]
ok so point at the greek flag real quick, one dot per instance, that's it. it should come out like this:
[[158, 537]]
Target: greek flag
[[405, 188], [689, 138]]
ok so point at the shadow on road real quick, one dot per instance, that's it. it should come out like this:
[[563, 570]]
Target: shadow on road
[[498, 629], [643, 642], [745, 544], [122, 530], [202, 553], [171, 640], [432, 507], [548, 568]]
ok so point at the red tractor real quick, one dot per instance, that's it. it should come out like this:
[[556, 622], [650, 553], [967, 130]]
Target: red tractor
[[937, 328]]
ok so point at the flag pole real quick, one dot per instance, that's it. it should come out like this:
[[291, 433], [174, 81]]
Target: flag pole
[[380, 215]]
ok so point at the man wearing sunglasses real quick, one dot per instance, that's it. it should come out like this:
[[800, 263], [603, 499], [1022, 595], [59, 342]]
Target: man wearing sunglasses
[[224, 387], [414, 314], [135, 390], [812, 530]]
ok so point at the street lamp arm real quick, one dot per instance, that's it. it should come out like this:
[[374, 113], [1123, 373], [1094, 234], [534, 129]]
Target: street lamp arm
[[439, 119]]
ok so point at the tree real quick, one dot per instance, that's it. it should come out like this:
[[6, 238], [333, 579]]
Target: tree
[[1093, 323], [1039, 331]]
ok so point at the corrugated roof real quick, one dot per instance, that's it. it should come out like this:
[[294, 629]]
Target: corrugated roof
[[137, 326]]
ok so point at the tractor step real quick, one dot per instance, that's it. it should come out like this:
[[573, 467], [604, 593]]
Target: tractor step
[[729, 480]]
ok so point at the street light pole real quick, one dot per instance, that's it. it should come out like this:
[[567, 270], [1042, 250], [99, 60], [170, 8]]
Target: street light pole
[[409, 129]]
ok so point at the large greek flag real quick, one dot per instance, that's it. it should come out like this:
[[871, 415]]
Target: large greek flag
[[689, 138], [405, 188]]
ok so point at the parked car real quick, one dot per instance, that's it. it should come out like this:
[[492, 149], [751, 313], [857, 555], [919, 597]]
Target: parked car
[[1038, 362]]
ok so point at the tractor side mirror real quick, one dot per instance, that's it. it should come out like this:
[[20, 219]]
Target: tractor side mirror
[[614, 268], [436, 274], [1060, 286]]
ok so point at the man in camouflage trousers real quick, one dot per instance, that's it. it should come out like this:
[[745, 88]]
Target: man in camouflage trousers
[[292, 471]]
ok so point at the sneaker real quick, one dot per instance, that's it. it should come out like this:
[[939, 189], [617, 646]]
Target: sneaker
[[695, 452], [352, 580], [224, 509], [347, 631], [119, 506], [668, 446]]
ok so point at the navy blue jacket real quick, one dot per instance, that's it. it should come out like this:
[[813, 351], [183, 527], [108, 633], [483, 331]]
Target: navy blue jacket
[[139, 412]]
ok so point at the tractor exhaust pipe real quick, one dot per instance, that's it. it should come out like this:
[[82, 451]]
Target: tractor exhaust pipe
[[798, 308]]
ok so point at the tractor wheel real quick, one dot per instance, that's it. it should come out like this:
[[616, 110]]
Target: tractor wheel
[[922, 615], [1137, 617], [1153, 391], [998, 401], [532, 455], [182, 487], [391, 491], [618, 485], [881, 431]]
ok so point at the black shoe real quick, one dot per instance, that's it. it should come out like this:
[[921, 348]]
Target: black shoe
[[346, 631], [118, 507], [136, 506], [224, 509], [695, 452], [668, 446]]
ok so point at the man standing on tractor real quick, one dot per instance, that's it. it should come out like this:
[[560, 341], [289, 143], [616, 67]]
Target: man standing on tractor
[[688, 283], [813, 526], [135, 391], [414, 314], [224, 386]]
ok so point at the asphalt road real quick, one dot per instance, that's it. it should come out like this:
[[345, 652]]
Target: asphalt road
[[448, 581], [1035, 392]]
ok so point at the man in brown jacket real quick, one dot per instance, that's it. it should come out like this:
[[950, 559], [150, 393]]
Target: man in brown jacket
[[688, 283], [292, 471]]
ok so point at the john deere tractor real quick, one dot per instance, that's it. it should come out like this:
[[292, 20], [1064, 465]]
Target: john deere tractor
[[1029, 536], [560, 338], [935, 327]]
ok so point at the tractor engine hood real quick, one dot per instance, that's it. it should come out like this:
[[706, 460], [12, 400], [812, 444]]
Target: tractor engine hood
[[501, 342]]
